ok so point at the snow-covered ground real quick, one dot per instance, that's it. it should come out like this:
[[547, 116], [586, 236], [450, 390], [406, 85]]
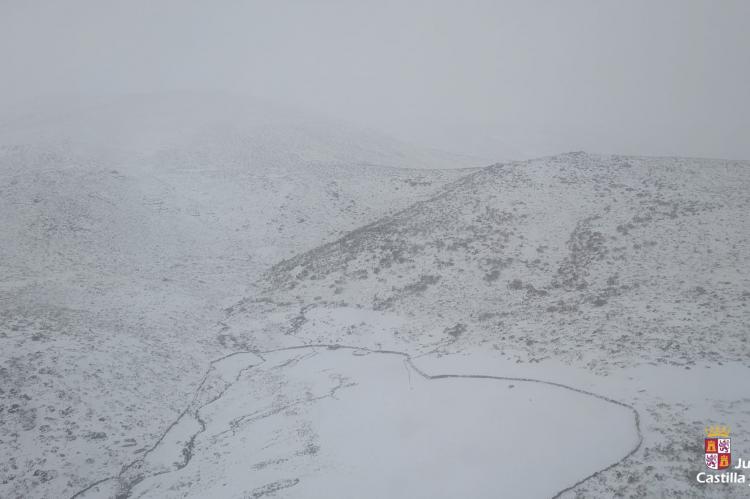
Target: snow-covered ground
[[375, 425], [230, 300]]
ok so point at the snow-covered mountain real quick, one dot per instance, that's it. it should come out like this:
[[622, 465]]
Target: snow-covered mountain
[[205, 296], [583, 250], [126, 227]]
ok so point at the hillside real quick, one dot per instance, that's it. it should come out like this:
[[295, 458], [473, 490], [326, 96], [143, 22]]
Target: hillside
[[631, 257], [126, 227], [627, 276]]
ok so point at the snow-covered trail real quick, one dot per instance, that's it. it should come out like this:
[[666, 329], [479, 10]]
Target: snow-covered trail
[[344, 421]]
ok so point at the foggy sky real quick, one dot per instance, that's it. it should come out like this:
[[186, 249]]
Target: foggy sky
[[497, 79]]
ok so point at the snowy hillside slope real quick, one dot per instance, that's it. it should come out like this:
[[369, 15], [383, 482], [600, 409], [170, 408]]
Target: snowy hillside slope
[[626, 276], [656, 248], [125, 228]]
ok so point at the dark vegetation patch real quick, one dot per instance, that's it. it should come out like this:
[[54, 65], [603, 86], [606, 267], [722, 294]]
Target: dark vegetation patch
[[456, 330]]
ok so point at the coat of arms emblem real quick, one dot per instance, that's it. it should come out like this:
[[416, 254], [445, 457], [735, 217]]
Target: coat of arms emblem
[[717, 448]]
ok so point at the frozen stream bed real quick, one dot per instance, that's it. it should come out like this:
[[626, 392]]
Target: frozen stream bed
[[317, 422]]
